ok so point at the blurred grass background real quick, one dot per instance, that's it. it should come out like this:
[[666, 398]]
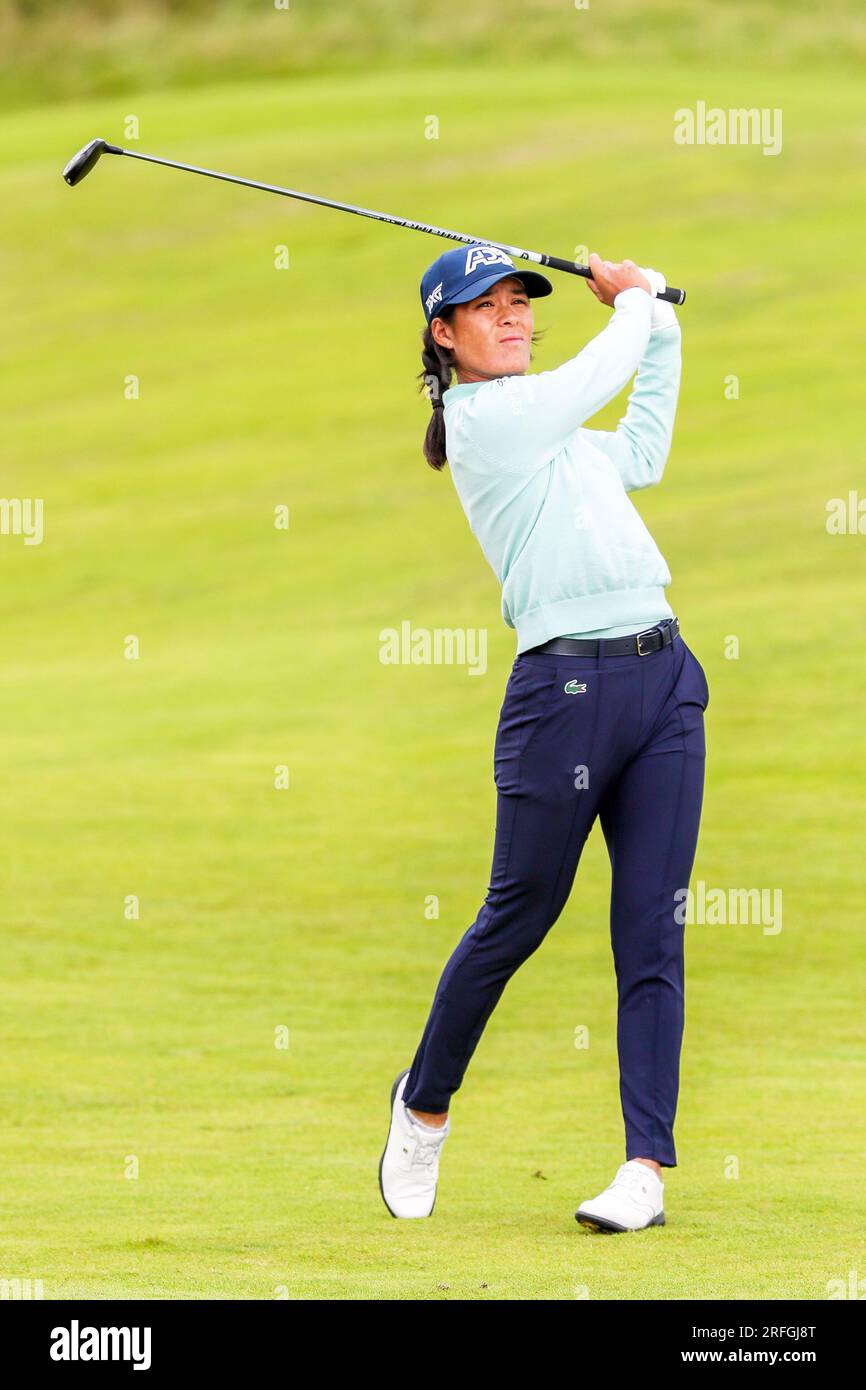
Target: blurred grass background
[[97, 47], [306, 908]]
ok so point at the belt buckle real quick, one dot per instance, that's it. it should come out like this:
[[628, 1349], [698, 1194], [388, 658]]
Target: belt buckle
[[648, 633]]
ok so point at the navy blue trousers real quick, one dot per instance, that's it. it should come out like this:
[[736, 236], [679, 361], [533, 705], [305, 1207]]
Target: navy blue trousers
[[620, 738]]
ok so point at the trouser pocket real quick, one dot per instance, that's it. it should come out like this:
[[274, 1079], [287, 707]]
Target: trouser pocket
[[702, 678], [528, 695]]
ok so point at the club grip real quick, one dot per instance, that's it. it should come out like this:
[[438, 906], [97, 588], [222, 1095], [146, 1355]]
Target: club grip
[[671, 295]]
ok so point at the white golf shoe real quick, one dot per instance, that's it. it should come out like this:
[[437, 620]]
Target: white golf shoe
[[633, 1200], [409, 1166]]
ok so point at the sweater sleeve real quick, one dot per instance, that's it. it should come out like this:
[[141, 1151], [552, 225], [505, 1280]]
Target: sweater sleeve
[[640, 444], [520, 422]]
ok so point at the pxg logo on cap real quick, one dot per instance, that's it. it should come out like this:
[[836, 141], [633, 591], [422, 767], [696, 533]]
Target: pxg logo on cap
[[462, 274]]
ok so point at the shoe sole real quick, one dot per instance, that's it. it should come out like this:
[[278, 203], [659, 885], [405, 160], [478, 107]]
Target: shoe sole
[[400, 1076], [600, 1223]]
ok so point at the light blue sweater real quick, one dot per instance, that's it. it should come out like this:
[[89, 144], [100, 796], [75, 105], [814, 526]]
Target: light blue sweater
[[547, 498]]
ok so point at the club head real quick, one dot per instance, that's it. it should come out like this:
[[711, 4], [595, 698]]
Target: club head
[[81, 164]]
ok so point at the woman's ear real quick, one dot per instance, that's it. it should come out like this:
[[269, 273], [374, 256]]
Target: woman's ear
[[442, 334]]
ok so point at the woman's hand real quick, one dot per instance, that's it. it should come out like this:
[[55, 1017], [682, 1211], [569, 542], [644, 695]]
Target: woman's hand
[[609, 278]]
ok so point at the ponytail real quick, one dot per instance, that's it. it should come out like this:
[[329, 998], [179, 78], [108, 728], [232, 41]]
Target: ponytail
[[434, 381]]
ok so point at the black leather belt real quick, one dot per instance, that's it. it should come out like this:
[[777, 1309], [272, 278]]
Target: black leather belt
[[637, 643]]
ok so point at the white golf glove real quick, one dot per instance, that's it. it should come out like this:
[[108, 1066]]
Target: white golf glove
[[663, 313]]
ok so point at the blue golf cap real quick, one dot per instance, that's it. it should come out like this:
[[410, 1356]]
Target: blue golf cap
[[468, 271]]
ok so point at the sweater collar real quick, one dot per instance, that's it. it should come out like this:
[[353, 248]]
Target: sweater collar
[[463, 388]]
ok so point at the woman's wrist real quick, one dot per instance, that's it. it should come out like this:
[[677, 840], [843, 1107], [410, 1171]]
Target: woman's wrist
[[663, 314]]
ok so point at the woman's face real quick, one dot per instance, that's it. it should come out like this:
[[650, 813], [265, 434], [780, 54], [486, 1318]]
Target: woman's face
[[491, 335]]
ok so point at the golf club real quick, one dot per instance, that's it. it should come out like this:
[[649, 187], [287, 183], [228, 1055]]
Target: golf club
[[81, 164]]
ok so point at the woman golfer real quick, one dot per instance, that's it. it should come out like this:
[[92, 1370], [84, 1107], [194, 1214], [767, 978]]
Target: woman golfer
[[603, 713]]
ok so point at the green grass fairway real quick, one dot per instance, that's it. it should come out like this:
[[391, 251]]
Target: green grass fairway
[[304, 908]]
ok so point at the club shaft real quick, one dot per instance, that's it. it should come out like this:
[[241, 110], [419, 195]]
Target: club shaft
[[673, 296]]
